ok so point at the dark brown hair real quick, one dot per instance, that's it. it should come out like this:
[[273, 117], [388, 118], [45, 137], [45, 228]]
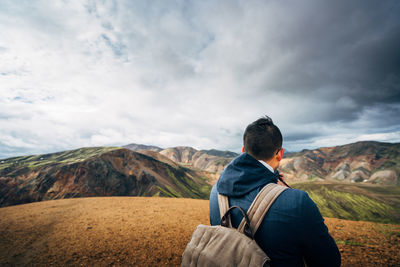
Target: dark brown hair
[[262, 139]]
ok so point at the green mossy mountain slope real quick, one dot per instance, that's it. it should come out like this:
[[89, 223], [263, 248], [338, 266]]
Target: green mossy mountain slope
[[355, 201], [59, 158]]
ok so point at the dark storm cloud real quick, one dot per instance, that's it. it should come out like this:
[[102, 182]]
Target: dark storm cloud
[[299, 136], [343, 49], [348, 57]]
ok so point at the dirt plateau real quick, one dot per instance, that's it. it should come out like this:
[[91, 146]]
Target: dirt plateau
[[139, 231]]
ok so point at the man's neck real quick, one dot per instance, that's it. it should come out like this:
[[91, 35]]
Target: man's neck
[[267, 166]]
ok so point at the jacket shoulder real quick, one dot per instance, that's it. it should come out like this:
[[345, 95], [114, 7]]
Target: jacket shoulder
[[293, 202], [295, 197]]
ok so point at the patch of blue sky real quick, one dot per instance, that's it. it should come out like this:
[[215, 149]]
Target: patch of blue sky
[[14, 72], [22, 99], [27, 100], [118, 48]]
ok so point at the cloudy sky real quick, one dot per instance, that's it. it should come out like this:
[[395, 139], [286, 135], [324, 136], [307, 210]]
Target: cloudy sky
[[167, 73]]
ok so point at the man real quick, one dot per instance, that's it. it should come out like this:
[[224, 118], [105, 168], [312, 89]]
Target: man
[[293, 230]]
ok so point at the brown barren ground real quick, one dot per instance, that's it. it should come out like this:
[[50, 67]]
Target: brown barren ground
[[124, 231]]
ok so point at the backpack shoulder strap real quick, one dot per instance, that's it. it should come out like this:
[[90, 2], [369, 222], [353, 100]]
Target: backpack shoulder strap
[[223, 203], [261, 205]]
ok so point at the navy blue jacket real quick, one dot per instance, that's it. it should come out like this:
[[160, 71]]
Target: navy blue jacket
[[292, 229]]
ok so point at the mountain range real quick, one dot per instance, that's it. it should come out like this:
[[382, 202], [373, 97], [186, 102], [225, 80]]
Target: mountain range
[[361, 162], [97, 171], [142, 170]]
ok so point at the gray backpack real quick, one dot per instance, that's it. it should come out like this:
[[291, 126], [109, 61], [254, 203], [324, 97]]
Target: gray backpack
[[223, 245]]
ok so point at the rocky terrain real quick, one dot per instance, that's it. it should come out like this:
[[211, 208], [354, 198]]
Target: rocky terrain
[[370, 162], [133, 231], [207, 160], [212, 161], [211, 177], [100, 171]]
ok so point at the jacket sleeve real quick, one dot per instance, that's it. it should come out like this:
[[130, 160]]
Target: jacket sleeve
[[319, 248], [214, 208]]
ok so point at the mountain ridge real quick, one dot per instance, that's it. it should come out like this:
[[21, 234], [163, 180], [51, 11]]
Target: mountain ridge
[[364, 161], [211, 160], [179, 171], [95, 172]]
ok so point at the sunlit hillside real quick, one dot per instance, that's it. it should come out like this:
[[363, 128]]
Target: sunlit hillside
[[96, 171], [352, 201]]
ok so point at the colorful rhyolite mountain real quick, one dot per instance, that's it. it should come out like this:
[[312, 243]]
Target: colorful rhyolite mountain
[[179, 171], [213, 161], [371, 162]]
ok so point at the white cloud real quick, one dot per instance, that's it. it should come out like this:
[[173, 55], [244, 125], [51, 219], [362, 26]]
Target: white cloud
[[89, 73]]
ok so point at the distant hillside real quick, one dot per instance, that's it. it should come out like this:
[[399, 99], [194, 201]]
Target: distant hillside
[[219, 153], [102, 171], [371, 162], [357, 202], [212, 161], [208, 160]]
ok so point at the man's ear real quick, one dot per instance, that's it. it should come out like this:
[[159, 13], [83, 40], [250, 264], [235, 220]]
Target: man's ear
[[242, 149], [279, 157]]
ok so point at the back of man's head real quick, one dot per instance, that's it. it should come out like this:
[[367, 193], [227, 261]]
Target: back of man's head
[[262, 139]]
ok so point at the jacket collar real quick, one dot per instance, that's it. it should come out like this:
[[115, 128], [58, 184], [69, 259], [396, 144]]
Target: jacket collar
[[244, 174]]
